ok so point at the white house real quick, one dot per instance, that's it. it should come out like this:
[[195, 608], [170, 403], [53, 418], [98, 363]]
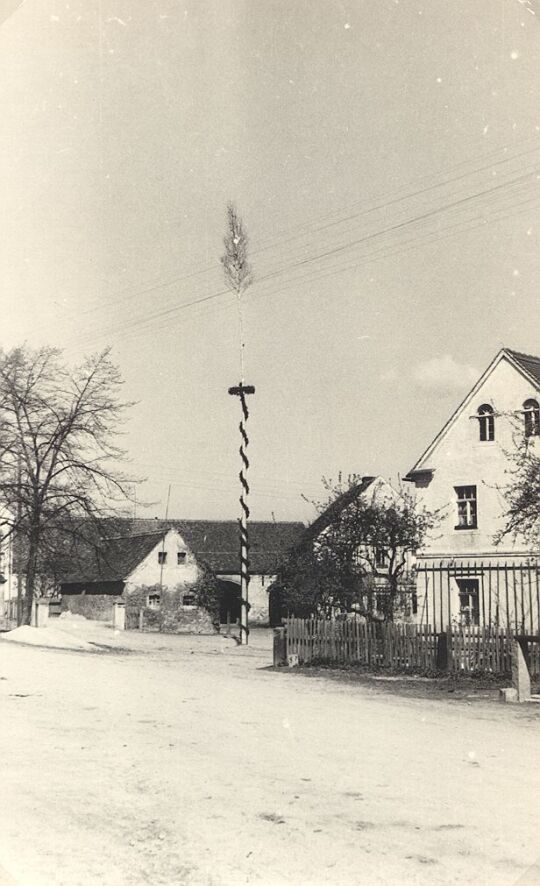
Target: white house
[[155, 565], [464, 575]]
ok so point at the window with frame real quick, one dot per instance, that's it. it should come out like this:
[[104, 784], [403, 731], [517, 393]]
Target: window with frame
[[381, 558], [153, 601], [531, 414], [486, 423], [189, 601], [180, 557], [467, 514], [469, 601], [162, 557]]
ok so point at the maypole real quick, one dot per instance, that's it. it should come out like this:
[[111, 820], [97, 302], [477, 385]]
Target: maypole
[[241, 391], [238, 277]]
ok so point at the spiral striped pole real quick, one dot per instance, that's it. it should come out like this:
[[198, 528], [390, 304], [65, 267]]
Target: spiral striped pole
[[242, 391]]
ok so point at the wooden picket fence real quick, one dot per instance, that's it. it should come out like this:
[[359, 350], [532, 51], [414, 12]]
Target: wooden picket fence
[[405, 647], [473, 649], [353, 642]]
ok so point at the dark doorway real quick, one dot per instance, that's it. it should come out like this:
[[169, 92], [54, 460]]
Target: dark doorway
[[229, 602], [275, 608]]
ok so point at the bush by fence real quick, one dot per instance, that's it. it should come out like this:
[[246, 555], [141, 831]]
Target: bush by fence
[[403, 647]]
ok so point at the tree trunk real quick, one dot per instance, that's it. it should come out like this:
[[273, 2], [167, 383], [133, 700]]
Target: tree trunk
[[393, 588], [31, 574]]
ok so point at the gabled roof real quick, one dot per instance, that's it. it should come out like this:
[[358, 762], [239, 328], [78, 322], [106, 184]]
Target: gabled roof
[[216, 542], [526, 364], [341, 503], [109, 550], [111, 560]]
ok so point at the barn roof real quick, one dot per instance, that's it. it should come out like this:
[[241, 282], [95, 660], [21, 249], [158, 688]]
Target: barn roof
[[216, 542], [111, 549], [106, 560]]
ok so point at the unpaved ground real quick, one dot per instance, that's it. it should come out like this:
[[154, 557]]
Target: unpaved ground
[[184, 760]]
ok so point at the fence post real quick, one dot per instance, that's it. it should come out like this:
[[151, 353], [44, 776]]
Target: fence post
[[521, 680], [442, 658], [41, 612], [280, 647], [119, 616]]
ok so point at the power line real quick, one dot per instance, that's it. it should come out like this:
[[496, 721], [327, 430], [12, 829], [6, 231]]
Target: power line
[[418, 193], [264, 489], [395, 200], [175, 309], [146, 323], [395, 227], [376, 255]]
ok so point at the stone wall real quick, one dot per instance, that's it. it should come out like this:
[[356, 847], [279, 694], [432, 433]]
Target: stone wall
[[169, 614], [94, 606]]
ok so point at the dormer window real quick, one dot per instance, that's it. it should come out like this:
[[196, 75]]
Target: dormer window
[[486, 422], [531, 412]]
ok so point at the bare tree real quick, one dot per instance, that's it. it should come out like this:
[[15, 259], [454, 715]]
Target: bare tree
[[58, 455]]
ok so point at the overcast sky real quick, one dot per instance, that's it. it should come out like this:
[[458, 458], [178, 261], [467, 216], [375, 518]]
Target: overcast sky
[[385, 157]]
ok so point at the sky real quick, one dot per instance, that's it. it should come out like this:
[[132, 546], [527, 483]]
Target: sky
[[385, 159]]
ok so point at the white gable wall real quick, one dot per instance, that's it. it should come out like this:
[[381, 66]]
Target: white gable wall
[[459, 458], [150, 572]]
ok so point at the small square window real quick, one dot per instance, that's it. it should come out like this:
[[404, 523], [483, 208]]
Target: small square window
[[153, 601], [162, 557], [180, 557], [189, 601]]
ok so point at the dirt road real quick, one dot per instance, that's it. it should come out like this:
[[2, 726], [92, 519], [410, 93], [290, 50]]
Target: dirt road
[[185, 761]]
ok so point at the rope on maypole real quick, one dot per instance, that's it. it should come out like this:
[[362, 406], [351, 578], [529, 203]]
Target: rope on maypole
[[241, 391]]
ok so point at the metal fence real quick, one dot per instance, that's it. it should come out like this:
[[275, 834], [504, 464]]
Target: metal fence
[[475, 593]]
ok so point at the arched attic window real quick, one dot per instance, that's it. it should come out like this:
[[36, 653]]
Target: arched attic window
[[486, 422], [531, 412]]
